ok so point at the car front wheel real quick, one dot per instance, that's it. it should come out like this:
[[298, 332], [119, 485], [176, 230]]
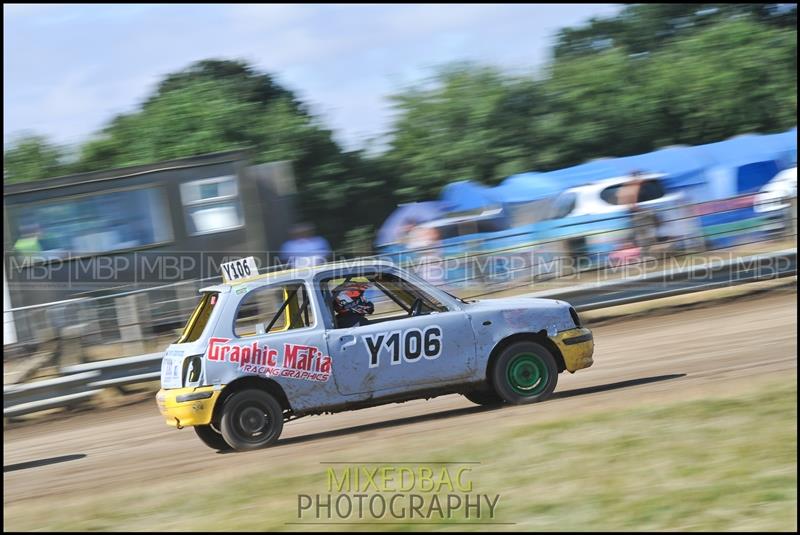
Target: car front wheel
[[525, 372], [212, 438], [251, 419]]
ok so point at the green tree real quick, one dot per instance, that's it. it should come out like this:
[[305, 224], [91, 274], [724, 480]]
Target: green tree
[[735, 77], [216, 106], [471, 123], [193, 120], [244, 82], [32, 157], [645, 28], [596, 109]]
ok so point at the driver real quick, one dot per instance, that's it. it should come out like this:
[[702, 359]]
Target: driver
[[350, 305]]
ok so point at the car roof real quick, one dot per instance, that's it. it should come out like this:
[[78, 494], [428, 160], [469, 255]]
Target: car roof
[[299, 273]]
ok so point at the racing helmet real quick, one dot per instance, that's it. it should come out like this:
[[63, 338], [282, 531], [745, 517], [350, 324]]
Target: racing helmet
[[349, 298]]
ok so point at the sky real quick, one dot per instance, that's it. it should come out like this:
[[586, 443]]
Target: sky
[[68, 69]]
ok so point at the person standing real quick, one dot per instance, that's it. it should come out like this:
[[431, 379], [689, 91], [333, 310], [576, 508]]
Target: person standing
[[304, 248], [644, 221], [29, 240], [425, 243]]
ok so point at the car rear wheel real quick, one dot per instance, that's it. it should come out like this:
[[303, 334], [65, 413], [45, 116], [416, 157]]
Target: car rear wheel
[[212, 438], [251, 419], [525, 372], [484, 396]]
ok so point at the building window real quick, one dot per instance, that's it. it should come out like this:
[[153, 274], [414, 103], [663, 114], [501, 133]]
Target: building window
[[95, 223], [211, 205]]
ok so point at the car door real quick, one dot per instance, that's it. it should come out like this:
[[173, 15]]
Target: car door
[[273, 332], [404, 353]]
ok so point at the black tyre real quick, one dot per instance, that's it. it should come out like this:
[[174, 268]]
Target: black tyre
[[251, 419], [525, 372], [212, 438], [484, 396]]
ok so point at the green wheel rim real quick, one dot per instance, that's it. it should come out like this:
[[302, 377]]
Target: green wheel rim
[[527, 374]]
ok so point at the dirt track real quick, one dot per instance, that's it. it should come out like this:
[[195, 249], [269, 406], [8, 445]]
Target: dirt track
[[677, 356]]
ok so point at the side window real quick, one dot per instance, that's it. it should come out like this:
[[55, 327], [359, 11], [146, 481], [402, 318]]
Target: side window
[[383, 305], [388, 297], [406, 294], [272, 309], [95, 223]]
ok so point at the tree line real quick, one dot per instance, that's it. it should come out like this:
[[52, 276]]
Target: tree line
[[651, 76]]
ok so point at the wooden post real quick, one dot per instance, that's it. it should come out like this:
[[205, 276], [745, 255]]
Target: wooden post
[[129, 313]]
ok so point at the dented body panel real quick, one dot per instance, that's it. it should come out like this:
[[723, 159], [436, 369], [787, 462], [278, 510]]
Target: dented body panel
[[321, 368]]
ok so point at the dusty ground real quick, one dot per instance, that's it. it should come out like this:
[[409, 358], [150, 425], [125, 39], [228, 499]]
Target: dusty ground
[[682, 355]]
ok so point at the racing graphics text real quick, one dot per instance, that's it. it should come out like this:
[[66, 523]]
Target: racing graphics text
[[405, 346], [297, 361]]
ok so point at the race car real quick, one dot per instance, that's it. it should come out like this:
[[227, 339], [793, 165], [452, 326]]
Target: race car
[[263, 349]]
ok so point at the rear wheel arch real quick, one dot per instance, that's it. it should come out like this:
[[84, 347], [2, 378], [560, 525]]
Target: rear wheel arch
[[244, 383], [539, 337]]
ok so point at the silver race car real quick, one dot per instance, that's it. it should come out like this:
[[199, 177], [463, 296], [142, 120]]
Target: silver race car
[[262, 349]]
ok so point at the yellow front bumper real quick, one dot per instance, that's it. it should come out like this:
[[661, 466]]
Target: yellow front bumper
[[576, 346], [186, 413]]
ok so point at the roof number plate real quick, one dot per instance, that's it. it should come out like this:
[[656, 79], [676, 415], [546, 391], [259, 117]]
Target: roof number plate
[[243, 268]]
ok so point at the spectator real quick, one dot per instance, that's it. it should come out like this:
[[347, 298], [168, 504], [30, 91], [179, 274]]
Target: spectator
[[628, 194], [644, 221], [304, 248], [429, 262], [29, 240]]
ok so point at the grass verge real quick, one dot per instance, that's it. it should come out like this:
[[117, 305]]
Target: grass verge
[[715, 463]]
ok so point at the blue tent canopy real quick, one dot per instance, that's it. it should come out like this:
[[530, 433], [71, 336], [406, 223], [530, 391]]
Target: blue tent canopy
[[586, 173], [753, 147], [525, 187], [682, 166], [744, 163], [466, 195], [685, 167], [738, 165], [783, 146], [738, 176]]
